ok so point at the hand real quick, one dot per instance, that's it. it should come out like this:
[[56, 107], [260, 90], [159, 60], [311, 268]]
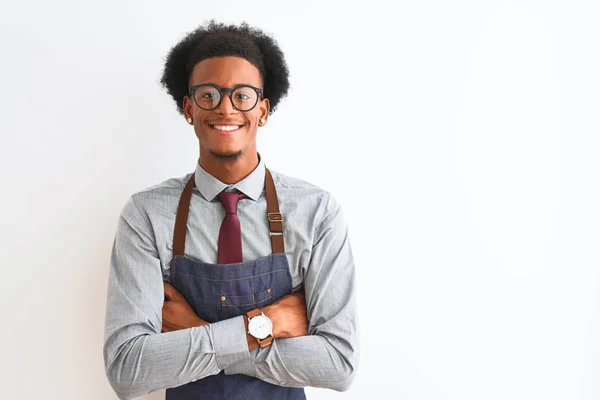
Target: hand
[[177, 313], [288, 315]]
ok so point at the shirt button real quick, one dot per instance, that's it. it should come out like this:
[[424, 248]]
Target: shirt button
[[223, 298]]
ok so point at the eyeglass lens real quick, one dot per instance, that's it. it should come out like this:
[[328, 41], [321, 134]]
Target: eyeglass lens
[[243, 98]]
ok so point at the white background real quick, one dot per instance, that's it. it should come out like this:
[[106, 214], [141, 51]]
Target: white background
[[461, 139]]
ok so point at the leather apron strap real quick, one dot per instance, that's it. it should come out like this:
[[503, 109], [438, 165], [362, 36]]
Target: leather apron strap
[[273, 216]]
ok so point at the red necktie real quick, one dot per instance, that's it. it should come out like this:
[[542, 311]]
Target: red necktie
[[230, 235]]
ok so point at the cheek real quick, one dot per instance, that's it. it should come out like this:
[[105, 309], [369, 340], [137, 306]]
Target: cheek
[[199, 114], [254, 117]]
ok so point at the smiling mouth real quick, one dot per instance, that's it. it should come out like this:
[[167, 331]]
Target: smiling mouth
[[225, 128]]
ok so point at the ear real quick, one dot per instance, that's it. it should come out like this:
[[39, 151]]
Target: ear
[[265, 106], [187, 107]]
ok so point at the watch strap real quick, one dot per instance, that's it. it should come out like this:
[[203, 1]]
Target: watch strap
[[265, 342]]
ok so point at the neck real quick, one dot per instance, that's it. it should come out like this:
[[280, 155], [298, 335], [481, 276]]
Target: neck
[[229, 170]]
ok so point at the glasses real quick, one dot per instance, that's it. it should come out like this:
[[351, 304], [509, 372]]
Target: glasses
[[208, 96]]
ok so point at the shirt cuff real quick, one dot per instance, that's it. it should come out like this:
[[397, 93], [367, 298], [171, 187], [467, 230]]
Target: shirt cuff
[[246, 367], [230, 342]]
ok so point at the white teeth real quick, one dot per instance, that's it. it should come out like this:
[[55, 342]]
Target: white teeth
[[226, 127]]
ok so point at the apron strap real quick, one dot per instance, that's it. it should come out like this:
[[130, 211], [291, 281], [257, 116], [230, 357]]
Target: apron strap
[[181, 219], [273, 216]]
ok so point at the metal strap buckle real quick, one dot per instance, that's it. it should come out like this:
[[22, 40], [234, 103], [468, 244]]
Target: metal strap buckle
[[275, 217]]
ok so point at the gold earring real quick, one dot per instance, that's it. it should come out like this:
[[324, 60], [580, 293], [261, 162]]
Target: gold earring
[[262, 121], [189, 120]]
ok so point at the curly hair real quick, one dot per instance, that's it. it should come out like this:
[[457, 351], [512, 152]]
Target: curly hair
[[213, 39]]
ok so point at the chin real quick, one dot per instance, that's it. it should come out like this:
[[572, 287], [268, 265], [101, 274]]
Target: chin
[[231, 155]]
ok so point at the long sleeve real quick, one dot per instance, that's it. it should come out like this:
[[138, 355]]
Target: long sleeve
[[139, 358], [328, 356]]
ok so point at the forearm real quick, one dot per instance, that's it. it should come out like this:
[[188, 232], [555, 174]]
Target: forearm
[[298, 362], [141, 364], [326, 358]]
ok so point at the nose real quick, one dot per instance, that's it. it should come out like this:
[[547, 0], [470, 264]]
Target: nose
[[226, 106]]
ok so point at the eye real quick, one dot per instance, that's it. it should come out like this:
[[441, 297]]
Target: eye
[[242, 96]]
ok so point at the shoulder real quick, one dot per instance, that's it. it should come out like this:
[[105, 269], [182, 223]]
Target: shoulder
[[305, 196], [157, 197], [290, 182], [298, 187]]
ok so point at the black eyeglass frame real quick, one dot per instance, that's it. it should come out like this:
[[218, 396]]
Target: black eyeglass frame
[[223, 90]]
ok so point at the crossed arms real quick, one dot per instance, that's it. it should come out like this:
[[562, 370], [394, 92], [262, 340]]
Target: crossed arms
[[153, 344]]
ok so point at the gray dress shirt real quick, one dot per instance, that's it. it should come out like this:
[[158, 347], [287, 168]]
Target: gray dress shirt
[[140, 359]]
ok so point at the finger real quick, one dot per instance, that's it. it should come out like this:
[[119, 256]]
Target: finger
[[166, 317], [171, 293], [166, 328], [168, 291]]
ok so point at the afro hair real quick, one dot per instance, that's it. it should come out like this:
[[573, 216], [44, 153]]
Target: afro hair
[[214, 39]]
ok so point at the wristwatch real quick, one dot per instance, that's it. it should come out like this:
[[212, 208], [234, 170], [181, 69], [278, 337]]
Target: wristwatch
[[260, 327]]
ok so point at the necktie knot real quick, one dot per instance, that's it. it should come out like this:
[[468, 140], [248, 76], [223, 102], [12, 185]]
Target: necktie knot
[[230, 201]]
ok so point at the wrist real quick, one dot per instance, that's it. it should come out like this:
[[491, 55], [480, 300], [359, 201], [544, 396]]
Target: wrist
[[259, 328]]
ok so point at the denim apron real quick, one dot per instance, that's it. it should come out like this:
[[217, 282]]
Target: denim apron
[[221, 291]]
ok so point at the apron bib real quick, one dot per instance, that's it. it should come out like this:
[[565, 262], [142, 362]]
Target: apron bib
[[221, 291]]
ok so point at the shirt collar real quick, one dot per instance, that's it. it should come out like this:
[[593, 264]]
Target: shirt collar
[[252, 185]]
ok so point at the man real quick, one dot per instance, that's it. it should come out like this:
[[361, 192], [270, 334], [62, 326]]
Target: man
[[232, 282]]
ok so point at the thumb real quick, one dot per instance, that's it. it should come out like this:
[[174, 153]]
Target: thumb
[[171, 293]]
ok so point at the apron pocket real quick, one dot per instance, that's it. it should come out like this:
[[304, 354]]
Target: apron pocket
[[235, 305]]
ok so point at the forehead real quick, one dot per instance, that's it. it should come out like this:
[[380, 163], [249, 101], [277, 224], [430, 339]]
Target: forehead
[[225, 71]]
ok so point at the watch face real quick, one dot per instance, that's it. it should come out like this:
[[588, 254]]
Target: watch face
[[260, 326]]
